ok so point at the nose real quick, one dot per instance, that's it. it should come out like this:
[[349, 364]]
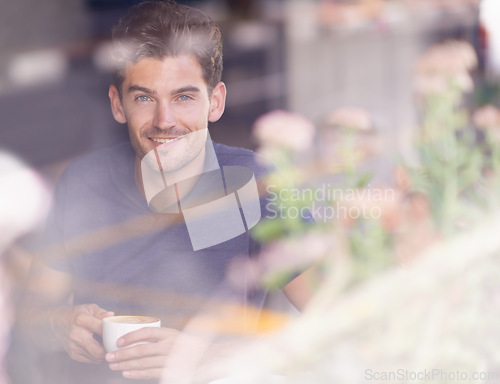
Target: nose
[[164, 116]]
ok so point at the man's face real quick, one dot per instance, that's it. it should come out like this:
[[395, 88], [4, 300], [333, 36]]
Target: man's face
[[166, 103]]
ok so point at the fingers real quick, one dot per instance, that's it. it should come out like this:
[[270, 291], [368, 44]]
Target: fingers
[[150, 367], [83, 347], [136, 352], [94, 323], [150, 334], [76, 327], [154, 373], [76, 352], [144, 363], [91, 318], [158, 342]]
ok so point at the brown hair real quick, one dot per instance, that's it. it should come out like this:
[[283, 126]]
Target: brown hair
[[159, 29]]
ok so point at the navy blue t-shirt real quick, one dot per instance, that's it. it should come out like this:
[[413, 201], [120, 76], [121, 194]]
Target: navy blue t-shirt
[[129, 260]]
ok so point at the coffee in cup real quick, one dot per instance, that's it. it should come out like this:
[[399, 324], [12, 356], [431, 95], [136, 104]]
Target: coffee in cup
[[115, 327]]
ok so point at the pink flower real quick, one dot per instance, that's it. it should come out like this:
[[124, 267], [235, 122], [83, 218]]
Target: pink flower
[[444, 65], [350, 117], [284, 129], [449, 57], [487, 117], [427, 84]]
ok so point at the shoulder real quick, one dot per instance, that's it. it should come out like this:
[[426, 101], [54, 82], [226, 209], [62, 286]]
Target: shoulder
[[98, 169], [228, 155], [102, 158], [101, 161], [235, 153]]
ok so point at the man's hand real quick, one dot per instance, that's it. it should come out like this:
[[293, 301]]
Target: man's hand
[[165, 347], [75, 328]]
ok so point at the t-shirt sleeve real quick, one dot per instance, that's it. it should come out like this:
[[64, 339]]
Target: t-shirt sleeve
[[53, 249]]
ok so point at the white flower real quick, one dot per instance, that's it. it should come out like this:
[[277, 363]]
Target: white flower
[[25, 199]]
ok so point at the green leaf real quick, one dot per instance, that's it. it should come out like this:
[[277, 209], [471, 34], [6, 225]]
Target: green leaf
[[267, 230]]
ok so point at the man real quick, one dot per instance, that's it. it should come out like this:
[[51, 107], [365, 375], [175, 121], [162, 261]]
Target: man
[[106, 252]]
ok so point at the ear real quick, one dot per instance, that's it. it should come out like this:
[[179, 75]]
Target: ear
[[116, 105], [217, 102]]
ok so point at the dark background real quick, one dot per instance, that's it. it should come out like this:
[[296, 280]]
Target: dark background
[[49, 122]]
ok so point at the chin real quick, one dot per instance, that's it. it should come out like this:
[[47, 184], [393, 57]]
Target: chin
[[176, 164]]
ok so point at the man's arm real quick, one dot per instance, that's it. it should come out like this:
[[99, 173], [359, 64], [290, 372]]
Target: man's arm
[[301, 289], [173, 355], [51, 319]]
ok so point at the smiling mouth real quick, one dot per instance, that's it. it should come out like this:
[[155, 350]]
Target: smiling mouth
[[163, 141]]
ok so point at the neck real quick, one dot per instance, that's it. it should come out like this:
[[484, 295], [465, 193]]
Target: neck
[[189, 174]]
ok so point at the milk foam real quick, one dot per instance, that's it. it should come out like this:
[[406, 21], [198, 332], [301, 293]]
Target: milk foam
[[133, 319]]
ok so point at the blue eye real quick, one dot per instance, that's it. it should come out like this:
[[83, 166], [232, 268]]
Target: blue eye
[[184, 98], [143, 98]]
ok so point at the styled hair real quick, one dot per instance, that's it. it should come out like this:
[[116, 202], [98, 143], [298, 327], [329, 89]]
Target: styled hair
[[160, 29]]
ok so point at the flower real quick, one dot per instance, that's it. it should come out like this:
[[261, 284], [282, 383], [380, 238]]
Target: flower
[[449, 57], [373, 203], [464, 81], [25, 199], [348, 137], [487, 117], [443, 65], [427, 84], [281, 128], [350, 117]]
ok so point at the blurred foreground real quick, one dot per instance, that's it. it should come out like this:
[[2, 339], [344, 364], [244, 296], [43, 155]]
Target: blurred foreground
[[392, 145]]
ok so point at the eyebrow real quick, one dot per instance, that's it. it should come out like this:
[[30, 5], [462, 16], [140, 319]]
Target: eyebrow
[[134, 88], [189, 88]]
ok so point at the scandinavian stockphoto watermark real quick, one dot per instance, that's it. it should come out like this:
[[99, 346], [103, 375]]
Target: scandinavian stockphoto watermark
[[429, 375], [218, 203], [326, 202]]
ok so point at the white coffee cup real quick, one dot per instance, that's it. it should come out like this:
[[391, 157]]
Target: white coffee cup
[[115, 327]]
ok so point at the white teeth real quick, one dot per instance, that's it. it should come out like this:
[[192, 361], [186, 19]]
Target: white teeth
[[163, 141]]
